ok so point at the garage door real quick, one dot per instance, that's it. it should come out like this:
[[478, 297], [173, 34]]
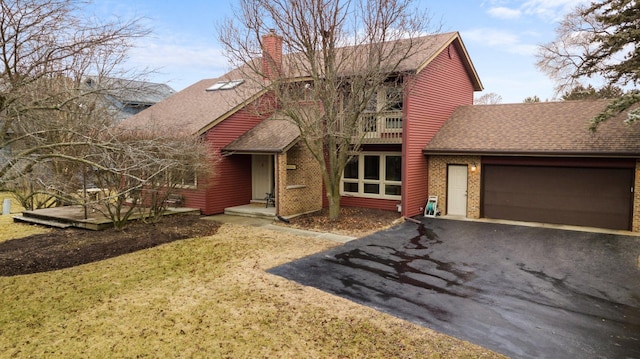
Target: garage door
[[594, 197]]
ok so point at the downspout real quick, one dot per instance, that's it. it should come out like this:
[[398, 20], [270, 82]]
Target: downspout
[[405, 122], [276, 184]]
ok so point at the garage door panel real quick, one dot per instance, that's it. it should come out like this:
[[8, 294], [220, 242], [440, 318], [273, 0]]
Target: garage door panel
[[596, 197], [544, 215]]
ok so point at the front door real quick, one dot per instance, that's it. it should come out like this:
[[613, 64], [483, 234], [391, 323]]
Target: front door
[[457, 190], [261, 176]]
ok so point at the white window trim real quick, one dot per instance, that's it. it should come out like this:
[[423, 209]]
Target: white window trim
[[361, 181], [190, 185], [183, 185]]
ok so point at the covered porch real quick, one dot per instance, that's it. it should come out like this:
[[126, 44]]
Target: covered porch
[[281, 167]]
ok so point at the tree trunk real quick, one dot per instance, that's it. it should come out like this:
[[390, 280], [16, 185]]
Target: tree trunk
[[333, 195]]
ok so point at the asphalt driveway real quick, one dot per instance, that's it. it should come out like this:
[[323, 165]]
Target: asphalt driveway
[[521, 291]]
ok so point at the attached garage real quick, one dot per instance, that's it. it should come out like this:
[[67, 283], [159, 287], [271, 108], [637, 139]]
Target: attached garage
[[583, 196], [538, 162]]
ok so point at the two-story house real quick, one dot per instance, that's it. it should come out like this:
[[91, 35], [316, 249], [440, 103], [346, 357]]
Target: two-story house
[[262, 153]]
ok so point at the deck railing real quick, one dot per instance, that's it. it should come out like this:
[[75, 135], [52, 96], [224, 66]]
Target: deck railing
[[382, 127]]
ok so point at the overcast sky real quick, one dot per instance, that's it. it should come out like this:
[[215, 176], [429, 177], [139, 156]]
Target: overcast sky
[[501, 37]]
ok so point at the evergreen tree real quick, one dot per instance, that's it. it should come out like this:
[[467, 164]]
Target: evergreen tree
[[580, 92]]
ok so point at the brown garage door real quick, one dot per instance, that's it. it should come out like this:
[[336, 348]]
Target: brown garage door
[[594, 197]]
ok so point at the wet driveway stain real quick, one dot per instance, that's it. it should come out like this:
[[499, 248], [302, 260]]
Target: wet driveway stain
[[521, 291]]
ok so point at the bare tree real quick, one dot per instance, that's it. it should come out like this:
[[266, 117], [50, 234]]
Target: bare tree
[[490, 98], [57, 134], [338, 55], [46, 113], [564, 60], [597, 40], [137, 175]]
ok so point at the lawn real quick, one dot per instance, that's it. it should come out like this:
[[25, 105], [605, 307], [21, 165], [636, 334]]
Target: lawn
[[201, 297], [8, 229]]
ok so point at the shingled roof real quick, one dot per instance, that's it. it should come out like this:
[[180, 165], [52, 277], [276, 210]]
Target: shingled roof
[[410, 55], [195, 110], [545, 128], [273, 135]]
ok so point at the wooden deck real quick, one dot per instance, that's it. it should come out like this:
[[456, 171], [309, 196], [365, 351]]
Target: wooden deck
[[74, 216]]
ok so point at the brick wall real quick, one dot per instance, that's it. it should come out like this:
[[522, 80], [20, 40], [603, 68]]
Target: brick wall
[[299, 189], [438, 185], [438, 181], [635, 221]]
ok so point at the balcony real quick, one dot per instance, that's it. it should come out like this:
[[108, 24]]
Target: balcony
[[382, 127]]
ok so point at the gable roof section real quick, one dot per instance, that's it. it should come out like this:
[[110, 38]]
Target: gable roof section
[[441, 43], [546, 129], [194, 109], [424, 49], [273, 135]]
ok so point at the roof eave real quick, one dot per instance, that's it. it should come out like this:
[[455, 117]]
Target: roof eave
[[473, 74], [233, 110], [257, 151], [514, 153]]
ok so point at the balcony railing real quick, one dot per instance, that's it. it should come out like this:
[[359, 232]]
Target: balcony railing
[[382, 127]]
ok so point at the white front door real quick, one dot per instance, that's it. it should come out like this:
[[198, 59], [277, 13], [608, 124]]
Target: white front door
[[261, 175], [457, 190]]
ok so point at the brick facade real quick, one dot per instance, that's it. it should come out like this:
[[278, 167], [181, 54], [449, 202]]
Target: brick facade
[[438, 181], [635, 221], [300, 186], [438, 185]]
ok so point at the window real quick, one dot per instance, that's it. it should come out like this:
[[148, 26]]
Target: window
[[387, 98], [373, 175], [189, 179], [393, 98], [224, 85], [183, 178]]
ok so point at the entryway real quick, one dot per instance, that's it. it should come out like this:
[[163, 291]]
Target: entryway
[[457, 190], [261, 176]]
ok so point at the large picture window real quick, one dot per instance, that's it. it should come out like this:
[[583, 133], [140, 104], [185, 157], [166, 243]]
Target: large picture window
[[373, 175]]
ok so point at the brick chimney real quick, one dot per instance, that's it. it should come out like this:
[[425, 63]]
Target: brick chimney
[[271, 55]]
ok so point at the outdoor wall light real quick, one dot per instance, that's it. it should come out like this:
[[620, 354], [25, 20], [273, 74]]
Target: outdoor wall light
[[473, 167]]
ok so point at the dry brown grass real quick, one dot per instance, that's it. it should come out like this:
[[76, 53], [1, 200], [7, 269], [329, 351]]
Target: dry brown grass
[[9, 229], [203, 297]]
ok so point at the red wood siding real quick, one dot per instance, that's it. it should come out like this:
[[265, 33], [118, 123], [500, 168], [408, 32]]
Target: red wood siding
[[231, 183], [386, 204], [433, 95]]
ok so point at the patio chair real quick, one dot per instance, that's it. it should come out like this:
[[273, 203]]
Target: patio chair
[[270, 199]]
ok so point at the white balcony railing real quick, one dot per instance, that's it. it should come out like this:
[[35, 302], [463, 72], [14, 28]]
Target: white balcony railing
[[382, 127]]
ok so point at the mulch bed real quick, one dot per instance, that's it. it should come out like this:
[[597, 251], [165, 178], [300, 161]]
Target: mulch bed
[[353, 221], [64, 248]]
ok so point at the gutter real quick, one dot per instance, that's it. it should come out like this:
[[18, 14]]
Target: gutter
[[428, 152]]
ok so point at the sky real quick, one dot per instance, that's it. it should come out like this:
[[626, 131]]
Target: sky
[[501, 37]]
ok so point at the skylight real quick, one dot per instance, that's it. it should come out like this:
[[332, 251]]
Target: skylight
[[224, 85]]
